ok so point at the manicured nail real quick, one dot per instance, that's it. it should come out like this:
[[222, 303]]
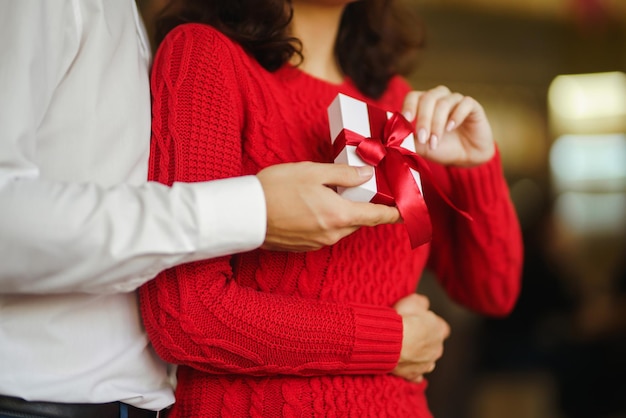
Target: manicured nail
[[450, 126], [408, 115], [365, 171], [433, 141], [421, 136]]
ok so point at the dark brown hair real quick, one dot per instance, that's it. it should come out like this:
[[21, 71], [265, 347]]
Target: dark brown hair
[[377, 38]]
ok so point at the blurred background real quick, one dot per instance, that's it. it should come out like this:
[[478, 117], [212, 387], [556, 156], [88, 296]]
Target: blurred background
[[551, 75]]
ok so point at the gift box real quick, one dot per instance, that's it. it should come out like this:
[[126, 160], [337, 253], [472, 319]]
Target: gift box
[[363, 134], [352, 118]]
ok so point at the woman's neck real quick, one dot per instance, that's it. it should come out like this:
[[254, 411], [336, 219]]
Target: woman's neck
[[316, 26]]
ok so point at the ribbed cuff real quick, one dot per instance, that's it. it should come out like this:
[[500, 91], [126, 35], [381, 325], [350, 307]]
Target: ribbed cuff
[[478, 187], [378, 339]]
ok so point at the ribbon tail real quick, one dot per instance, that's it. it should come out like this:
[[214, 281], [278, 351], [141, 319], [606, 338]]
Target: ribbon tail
[[417, 221], [409, 200], [426, 173]]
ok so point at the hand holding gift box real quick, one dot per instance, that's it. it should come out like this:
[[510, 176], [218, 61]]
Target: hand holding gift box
[[363, 134]]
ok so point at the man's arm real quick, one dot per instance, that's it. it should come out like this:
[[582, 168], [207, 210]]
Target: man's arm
[[70, 237], [59, 237]]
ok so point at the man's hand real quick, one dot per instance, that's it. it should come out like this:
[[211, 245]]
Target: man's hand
[[304, 212], [422, 340]]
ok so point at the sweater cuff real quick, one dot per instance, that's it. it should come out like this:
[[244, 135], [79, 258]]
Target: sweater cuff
[[478, 187], [378, 339]]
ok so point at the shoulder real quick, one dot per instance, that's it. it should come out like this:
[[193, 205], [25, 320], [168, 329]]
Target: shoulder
[[399, 84], [198, 41], [396, 91], [199, 56], [197, 32]]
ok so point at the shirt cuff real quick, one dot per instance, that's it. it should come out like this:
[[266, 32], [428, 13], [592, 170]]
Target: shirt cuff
[[232, 216]]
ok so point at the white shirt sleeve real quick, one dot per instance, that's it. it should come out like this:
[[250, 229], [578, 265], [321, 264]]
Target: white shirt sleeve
[[71, 237], [63, 236]]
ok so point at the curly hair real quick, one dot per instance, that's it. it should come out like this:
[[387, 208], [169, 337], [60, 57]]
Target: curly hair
[[377, 39]]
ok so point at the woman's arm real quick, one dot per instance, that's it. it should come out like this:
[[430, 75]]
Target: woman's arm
[[478, 262]]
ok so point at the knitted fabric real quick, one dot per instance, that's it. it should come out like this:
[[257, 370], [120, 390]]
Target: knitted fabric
[[270, 334]]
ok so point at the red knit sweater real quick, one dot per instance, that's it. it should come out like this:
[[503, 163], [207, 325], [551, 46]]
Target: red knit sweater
[[301, 334]]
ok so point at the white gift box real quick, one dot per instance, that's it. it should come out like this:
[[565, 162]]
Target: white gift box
[[348, 113]]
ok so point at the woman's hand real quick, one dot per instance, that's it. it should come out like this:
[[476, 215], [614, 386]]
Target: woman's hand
[[451, 129], [423, 336]]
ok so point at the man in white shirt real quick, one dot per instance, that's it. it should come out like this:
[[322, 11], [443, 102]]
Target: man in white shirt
[[81, 228]]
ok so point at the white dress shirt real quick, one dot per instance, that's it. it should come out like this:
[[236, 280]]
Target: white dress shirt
[[80, 227]]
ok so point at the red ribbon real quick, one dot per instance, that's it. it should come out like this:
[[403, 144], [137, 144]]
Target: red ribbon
[[393, 164]]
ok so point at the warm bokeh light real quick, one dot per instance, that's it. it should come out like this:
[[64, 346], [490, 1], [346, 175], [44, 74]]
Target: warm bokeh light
[[583, 103]]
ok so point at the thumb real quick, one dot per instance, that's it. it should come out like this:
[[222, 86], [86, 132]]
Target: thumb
[[347, 176], [412, 304], [362, 213]]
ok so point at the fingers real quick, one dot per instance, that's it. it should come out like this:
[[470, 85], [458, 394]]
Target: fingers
[[437, 112], [370, 214], [463, 109], [441, 117], [444, 329], [341, 174], [418, 379], [357, 214], [412, 304], [426, 112], [414, 373], [433, 115], [410, 105]]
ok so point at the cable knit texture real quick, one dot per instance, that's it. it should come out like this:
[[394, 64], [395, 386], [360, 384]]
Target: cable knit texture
[[269, 334]]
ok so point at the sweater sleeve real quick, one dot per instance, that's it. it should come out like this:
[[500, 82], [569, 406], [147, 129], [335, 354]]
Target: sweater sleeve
[[478, 262], [197, 314]]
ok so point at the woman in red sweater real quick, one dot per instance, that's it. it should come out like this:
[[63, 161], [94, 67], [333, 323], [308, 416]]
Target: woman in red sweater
[[241, 85]]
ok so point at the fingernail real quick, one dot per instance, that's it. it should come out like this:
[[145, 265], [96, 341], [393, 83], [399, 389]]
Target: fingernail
[[408, 115], [421, 136], [433, 141], [365, 171], [450, 126]]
